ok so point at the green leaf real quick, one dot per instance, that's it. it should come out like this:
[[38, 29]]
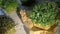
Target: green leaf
[[44, 13], [10, 5]]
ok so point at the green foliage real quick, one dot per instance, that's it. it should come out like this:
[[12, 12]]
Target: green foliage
[[6, 24], [0, 3], [10, 5], [58, 19], [44, 14]]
